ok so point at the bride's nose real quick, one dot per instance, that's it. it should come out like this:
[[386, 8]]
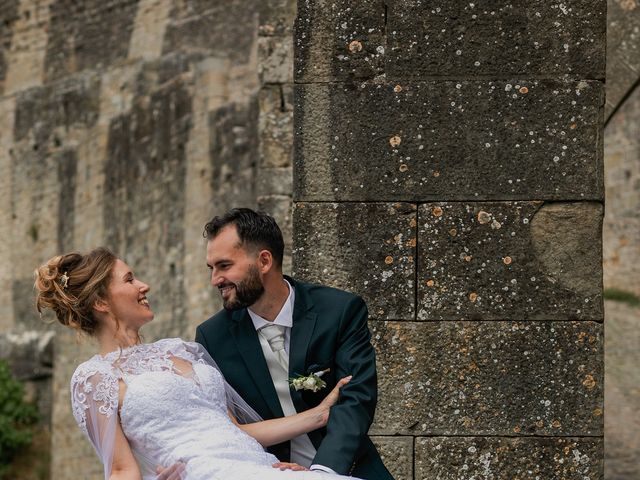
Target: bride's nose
[[144, 288]]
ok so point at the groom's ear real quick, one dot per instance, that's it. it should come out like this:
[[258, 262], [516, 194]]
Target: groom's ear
[[265, 261]]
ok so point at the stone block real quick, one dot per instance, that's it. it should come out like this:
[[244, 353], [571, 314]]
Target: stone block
[[397, 455], [234, 147], [279, 207], [29, 353], [276, 17], [489, 378], [368, 249], [274, 181], [275, 59], [510, 260], [515, 38], [226, 28], [87, 35], [74, 102], [9, 16], [509, 458], [276, 126], [447, 140], [339, 39]]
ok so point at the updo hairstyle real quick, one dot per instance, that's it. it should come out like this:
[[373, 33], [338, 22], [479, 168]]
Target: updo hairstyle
[[71, 284]]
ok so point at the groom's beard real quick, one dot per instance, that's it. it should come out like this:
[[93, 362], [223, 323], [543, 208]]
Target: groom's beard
[[247, 292]]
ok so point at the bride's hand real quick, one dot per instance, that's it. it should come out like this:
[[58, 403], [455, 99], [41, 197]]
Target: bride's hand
[[289, 466], [331, 399]]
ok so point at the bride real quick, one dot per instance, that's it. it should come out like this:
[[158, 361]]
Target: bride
[[164, 403]]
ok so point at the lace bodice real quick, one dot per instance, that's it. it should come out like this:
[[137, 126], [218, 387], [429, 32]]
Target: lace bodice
[[98, 378], [169, 415]]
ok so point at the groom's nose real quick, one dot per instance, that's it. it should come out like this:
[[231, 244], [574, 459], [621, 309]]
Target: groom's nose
[[216, 279]]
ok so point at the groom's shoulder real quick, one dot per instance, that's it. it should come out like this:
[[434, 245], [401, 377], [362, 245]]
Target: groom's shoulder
[[325, 293], [223, 317]]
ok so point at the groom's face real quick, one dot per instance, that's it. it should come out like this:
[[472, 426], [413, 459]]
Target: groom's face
[[234, 270]]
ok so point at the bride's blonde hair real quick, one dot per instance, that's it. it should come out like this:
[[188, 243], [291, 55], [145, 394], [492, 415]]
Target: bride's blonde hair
[[71, 284]]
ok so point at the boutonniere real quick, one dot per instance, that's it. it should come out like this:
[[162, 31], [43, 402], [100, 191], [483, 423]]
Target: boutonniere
[[311, 382]]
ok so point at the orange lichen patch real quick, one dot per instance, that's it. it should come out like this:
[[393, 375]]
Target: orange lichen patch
[[484, 217], [395, 141], [539, 424], [589, 382], [468, 258], [412, 223], [397, 88], [430, 283], [436, 174], [355, 46], [567, 450], [516, 429], [453, 232], [573, 126], [411, 242], [436, 211], [597, 412], [404, 167], [556, 424], [388, 260], [507, 260], [628, 5], [524, 90], [582, 336], [473, 296]]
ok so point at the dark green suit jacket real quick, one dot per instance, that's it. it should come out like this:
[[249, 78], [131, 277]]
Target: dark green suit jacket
[[329, 331]]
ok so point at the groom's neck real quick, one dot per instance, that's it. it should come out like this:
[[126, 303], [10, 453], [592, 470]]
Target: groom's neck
[[276, 292]]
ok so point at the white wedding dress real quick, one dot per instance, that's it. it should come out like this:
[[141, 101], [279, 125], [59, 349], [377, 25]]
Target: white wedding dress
[[170, 416]]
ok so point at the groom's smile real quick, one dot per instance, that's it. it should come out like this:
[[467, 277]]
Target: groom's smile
[[233, 270]]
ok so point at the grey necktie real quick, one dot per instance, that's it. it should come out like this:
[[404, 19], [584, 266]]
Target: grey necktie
[[274, 335]]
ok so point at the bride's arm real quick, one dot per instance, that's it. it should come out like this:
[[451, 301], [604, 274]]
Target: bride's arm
[[124, 465], [278, 430]]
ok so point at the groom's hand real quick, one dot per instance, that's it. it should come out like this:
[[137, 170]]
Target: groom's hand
[[174, 472], [289, 466]]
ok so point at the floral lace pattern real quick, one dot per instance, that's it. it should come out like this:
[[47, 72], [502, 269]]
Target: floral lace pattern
[[97, 379], [169, 417]]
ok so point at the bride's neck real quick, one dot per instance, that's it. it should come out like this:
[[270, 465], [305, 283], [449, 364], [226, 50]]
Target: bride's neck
[[110, 340]]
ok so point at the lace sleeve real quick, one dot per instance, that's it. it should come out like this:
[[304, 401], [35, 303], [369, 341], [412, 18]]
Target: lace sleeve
[[195, 352], [94, 400]]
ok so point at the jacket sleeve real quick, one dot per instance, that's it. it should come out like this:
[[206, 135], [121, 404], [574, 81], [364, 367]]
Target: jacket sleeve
[[351, 417]]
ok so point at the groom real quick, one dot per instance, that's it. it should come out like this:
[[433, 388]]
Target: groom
[[273, 328]]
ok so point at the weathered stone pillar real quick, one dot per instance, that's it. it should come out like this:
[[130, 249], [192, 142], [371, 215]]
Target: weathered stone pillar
[[448, 168]]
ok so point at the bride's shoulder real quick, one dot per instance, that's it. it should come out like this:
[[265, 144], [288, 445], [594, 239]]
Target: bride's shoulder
[[168, 343], [180, 347], [95, 368]]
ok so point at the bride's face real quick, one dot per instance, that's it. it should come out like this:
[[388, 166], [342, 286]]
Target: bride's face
[[128, 297]]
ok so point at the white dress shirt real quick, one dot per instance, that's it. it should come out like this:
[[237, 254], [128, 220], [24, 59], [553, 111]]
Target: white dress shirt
[[284, 318]]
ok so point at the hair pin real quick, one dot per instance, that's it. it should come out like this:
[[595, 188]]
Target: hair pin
[[64, 280]]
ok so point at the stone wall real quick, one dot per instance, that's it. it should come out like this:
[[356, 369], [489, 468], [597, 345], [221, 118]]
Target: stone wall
[[445, 153], [448, 168], [130, 124], [621, 237]]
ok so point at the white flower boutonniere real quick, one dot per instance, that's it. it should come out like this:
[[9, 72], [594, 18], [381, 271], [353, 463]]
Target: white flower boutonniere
[[311, 382]]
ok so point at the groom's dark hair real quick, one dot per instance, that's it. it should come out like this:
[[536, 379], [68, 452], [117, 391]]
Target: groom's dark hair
[[255, 229]]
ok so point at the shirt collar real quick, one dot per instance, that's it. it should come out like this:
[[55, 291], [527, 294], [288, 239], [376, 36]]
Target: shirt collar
[[284, 317]]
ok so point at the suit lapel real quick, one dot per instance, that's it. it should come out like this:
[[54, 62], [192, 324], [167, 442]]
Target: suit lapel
[[246, 338], [304, 321]]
